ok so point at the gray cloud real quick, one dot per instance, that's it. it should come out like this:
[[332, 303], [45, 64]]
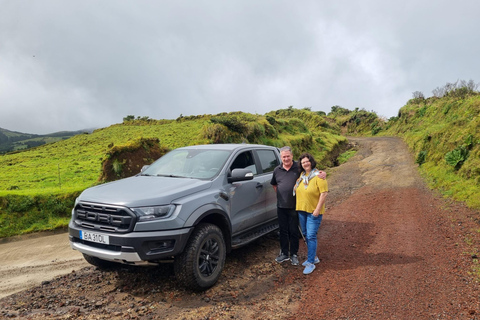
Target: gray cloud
[[82, 64]]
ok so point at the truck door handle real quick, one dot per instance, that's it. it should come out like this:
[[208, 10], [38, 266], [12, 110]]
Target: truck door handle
[[259, 185]]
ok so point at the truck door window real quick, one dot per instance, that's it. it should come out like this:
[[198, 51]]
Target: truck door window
[[268, 160], [244, 161]]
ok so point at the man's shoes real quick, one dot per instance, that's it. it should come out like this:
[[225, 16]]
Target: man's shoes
[[309, 268], [282, 257], [315, 261], [294, 259]]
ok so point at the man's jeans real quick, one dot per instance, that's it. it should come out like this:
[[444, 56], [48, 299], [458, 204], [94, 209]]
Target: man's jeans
[[309, 225]]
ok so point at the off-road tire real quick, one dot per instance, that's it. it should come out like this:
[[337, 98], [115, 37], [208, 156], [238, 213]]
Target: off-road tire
[[100, 263], [201, 263]]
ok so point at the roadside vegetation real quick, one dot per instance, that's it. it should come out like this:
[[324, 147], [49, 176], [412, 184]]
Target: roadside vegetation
[[443, 132], [38, 186]]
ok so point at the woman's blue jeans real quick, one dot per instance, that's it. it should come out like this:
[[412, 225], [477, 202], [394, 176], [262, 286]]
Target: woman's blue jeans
[[309, 225]]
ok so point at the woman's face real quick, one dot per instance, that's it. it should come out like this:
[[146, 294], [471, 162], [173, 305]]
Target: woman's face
[[306, 165]]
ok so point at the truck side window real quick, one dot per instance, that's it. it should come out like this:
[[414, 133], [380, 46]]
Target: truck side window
[[244, 161], [268, 160]]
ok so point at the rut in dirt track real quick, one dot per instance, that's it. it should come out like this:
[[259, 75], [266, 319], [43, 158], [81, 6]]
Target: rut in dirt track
[[389, 248]]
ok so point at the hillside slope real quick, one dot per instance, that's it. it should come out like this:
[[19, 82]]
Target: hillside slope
[[444, 135]]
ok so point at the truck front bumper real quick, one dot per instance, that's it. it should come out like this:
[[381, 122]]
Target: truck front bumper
[[133, 247]]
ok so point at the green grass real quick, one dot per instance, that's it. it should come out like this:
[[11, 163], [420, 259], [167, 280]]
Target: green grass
[[38, 186], [345, 156], [75, 164], [437, 127]]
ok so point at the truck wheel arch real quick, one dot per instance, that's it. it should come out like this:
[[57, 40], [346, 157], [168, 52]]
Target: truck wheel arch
[[214, 215]]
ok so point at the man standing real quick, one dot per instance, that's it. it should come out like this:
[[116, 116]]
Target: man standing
[[284, 178]]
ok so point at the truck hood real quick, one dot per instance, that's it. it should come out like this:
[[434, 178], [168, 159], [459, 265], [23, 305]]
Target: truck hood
[[143, 191]]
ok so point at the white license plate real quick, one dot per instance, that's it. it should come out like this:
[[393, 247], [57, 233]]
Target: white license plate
[[94, 237]]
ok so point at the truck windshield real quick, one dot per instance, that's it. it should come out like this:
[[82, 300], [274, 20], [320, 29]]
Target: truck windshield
[[189, 163]]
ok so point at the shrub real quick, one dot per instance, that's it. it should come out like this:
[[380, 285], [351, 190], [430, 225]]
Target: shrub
[[254, 132], [297, 125], [234, 124], [469, 141], [217, 133], [271, 120], [457, 157], [422, 111], [422, 155], [376, 130], [270, 130], [418, 95]]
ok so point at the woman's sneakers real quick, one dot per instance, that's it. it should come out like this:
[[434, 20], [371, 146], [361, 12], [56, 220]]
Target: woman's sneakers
[[315, 262], [309, 267]]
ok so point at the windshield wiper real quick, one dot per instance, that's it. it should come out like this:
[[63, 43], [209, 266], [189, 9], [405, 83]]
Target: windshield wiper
[[170, 176]]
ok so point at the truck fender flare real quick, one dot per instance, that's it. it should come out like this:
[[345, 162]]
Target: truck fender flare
[[214, 214]]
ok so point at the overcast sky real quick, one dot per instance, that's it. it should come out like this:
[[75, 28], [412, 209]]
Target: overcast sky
[[71, 65]]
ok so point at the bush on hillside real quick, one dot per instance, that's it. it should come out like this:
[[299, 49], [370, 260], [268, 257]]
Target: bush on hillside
[[233, 123], [422, 155], [457, 157], [216, 133], [460, 89], [339, 111]]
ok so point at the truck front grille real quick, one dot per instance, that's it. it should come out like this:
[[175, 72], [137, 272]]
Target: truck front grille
[[104, 218]]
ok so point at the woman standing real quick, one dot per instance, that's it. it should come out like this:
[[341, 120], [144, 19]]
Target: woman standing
[[311, 192]]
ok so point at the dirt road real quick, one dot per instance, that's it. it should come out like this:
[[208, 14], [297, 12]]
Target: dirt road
[[30, 261], [389, 249]]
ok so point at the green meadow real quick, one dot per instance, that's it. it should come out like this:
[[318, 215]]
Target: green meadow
[[75, 164]]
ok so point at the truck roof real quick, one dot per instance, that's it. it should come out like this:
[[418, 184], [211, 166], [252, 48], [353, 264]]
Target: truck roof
[[227, 146]]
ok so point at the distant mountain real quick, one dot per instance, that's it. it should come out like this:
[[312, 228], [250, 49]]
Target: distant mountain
[[16, 141]]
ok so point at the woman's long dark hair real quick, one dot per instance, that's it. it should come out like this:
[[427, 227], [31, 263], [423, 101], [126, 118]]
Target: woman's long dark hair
[[313, 163]]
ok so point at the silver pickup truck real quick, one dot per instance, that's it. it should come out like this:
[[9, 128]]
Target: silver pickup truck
[[191, 206]]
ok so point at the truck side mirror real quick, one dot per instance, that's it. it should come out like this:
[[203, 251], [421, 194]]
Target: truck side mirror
[[240, 175]]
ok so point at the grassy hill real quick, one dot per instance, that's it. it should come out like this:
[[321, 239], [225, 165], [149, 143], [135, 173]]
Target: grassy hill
[[444, 135], [38, 186]]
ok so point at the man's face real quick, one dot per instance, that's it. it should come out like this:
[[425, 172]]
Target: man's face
[[287, 157]]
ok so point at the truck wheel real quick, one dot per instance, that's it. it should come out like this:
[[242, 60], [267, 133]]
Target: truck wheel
[[101, 264], [202, 261]]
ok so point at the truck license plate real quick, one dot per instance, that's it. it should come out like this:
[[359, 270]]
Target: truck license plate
[[94, 237]]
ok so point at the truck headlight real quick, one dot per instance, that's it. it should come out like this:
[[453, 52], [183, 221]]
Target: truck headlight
[[152, 213]]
